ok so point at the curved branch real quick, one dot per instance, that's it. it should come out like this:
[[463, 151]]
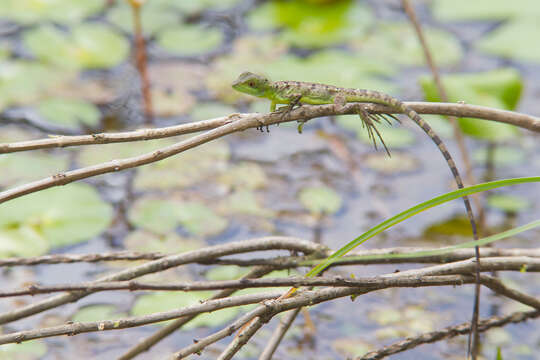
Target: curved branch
[[460, 110]]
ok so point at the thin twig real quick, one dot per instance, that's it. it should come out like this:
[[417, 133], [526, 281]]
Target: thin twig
[[462, 110], [449, 332], [236, 247], [147, 343], [473, 339], [372, 256], [277, 335], [243, 337]]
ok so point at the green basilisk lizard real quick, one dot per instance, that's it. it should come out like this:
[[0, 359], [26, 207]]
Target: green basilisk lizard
[[296, 93]]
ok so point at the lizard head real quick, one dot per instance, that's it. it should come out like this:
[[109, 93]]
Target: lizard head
[[251, 84]]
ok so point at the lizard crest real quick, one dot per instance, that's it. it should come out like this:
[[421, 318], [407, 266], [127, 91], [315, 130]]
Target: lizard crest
[[252, 84]]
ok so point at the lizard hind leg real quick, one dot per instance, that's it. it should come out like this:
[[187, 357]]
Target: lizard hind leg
[[369, 121]]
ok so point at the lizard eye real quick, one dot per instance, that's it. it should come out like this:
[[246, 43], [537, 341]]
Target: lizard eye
[[251, 83]]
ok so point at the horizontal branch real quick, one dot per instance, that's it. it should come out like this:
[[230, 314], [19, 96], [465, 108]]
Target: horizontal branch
[[357, 257], [449, 332], [461, 110], [235, 247], [213, 285]]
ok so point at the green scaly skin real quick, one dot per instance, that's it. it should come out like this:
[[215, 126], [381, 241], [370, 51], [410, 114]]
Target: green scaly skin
[[296, 92]]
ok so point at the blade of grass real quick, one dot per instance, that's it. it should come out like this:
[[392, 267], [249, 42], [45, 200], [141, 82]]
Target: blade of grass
[[445, 250], [402, 216]]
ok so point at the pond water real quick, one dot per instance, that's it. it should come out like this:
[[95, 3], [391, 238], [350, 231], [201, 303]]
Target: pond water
[[67, 64]]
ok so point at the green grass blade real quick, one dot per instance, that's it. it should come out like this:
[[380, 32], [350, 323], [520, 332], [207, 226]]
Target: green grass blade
[[416, 210]]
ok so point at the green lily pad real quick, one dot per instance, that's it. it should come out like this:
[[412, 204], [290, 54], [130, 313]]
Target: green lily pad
[[97, 312], [351, 347], [205, 111], [190, 40], [155, 16], [455, 226], [226, 273], [245, 175], [200, 220], [513, 40], [244, 202], [59, 11], [69, 112], [163, 216], [169, 243], [508, 203], [455, 10], [164, 301], [504, 156], [194, 165], [320, 200], [24, 167], [23, 82], [394, 137], [160, 216], [498, 88], [397, 163], [87, 46], [394, 38], [53, 217], [28, 350], [192, 7], [313, 25]]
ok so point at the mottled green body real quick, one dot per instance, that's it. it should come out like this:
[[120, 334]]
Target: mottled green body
[[296, 92]]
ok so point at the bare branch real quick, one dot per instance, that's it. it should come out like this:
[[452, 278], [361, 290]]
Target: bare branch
[[497, 286], [168, 329], [236, 247], [461, 110], [371, 256], [449, 332], [78, 328], [242, 338], [277, 336]]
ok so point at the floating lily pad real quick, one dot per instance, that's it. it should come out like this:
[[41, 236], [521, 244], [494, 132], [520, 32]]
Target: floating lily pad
[[97, 312], [351, 347], [164, 301], [24, 167], [155, 15], [28, 350], [205, 111], [53, 217], [508, 203], [313, 25], [455, 10], [188, 168], [191, 7], [87, 46], [455, 226], [165, 103], [160, 216], [23, 82], [163, 216], [320, 200], [69, 112], [513, 40], [93, 154], [397, 163], [394, 137], [245, 175], [394, 38], [244, 202], [499, 89], [226, 273], [504, 156], [170, 243], [60, 11], [190, 40], [200, 220]]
